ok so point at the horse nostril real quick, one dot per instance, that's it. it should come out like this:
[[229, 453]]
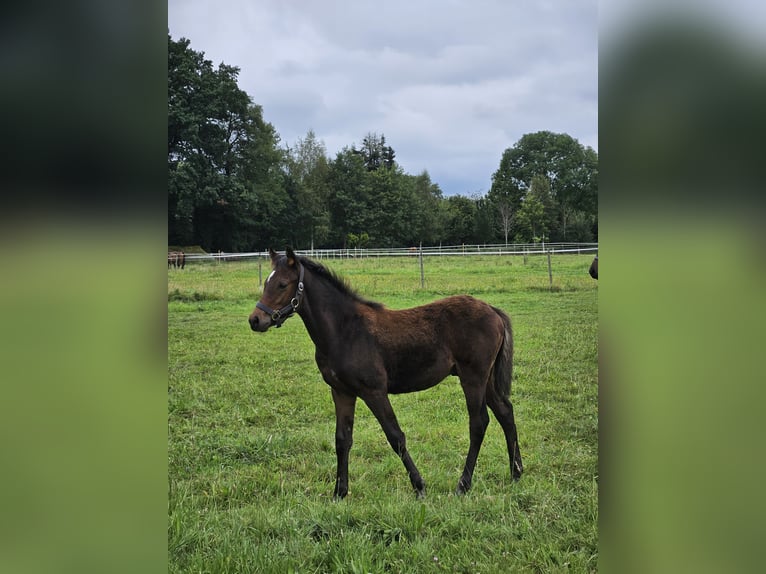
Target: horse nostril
[[253, 323]]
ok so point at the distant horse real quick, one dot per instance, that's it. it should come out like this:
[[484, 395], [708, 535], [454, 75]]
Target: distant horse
[[594, 268], [366, 350], [176, 259]]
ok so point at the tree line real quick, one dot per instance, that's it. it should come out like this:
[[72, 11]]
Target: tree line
[[233, 186]]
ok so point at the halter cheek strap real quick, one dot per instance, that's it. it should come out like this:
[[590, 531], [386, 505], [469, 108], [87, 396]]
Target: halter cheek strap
[[281, 315]]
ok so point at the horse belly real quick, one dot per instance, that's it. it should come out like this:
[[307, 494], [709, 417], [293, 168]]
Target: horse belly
[[418, 375]]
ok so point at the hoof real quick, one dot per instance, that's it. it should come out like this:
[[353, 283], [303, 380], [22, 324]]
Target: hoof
[[517, 470], [462, 487], [337, 496]]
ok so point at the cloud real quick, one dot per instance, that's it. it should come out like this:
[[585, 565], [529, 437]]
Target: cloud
[[450, 84]]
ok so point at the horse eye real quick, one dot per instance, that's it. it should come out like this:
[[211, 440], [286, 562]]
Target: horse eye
[[282, 285]]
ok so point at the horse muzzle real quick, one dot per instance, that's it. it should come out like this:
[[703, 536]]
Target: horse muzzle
[[259, 321]]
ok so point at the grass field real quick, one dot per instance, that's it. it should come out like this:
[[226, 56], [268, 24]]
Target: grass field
[[251, 433]]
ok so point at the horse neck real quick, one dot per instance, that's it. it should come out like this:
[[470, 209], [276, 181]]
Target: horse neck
[[324, 310]]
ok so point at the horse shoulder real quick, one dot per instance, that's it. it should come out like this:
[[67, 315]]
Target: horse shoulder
[[356, 345]]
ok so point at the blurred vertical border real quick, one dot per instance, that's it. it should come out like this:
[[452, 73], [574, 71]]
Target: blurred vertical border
[[83, 334], [83, 299], [682, 306]]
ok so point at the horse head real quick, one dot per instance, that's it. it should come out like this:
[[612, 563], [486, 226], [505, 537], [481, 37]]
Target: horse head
[[593, 270], [282, 292]]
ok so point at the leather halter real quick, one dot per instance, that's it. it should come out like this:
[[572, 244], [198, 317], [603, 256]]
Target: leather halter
[[281, 315]]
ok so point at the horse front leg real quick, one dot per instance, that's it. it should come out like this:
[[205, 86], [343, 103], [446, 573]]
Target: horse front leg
[[344, 431], [381, 407]]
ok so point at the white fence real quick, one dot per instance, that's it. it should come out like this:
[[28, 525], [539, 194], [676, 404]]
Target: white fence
[[446, 250]]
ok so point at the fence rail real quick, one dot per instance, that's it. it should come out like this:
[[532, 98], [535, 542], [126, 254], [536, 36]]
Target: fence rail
[[439, 250]]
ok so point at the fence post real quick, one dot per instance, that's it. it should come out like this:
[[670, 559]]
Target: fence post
[[260, 276], [422, 275], [550, 273]]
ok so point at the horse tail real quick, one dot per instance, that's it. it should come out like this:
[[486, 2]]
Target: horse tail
[[504, 360]]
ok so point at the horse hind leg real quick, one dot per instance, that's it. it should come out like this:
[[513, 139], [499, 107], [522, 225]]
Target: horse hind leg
[[478, 420], [381, 407], [503, 410]]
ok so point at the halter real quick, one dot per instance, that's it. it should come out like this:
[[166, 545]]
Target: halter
[[281, 315]]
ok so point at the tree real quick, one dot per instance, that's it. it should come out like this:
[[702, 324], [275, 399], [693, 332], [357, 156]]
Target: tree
[[308, 172], [253, 202], [361, 241], [375, 152], [393, 208], [348, 196], [427, 200], [505, 194], [370, 193], [188, 89], [506, 218], [484, 219], [224, 168], [570, 169], [535, 215], [461, 220]]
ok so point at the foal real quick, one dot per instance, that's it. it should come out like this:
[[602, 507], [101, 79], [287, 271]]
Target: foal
[[368, 351]]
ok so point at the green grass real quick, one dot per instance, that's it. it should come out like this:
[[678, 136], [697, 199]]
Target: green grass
[[251, 433]]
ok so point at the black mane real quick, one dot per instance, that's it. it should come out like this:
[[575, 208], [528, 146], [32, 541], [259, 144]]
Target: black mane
[[337, 281]]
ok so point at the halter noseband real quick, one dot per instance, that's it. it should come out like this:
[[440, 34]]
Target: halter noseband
[[281, 315]]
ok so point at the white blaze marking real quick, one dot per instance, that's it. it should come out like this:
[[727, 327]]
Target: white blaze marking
[[270, 276]]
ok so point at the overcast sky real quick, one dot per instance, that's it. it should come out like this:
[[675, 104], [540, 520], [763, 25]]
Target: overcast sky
[[450, 84]]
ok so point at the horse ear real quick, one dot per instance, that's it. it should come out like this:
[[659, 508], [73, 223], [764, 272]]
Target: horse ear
[[291, 256], [273, 254]]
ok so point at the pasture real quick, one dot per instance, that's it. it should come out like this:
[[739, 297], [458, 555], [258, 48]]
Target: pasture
[[251, 451]]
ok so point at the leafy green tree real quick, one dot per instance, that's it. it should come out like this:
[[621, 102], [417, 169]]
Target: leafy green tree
[[252, 204], [461, 220], [579, 214], [370, 193], [429, 215], [361, 241], [505, 195], [393, 208], [535, 216], [375, 152], [348, 196], [570, 168], [224, 168], [189, 86], [485, 220], [389, 157], [307, 183]]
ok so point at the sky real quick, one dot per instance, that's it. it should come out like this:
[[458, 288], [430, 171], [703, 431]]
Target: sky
[[450, 84]]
